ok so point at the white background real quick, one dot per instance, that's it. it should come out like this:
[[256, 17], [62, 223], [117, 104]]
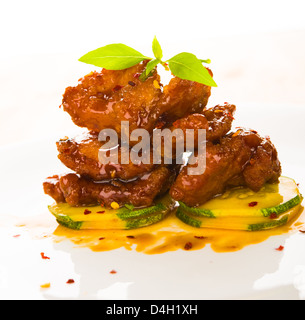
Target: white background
[[71, 25], [256, 47]]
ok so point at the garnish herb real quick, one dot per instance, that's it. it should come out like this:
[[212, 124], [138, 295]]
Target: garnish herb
[[119, 56], [115, 56], [156, 48], [186, 66]]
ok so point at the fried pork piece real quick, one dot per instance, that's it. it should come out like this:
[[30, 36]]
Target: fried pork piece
[[81, 155], [183, 97], [216, 121], [242, 158], [103, 99], [52, 188], [220, 120], [78, 191]]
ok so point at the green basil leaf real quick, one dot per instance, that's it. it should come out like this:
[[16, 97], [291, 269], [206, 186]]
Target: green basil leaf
[[186, 66], [151, 65], [156, 48], [149, 68], [116, 56]]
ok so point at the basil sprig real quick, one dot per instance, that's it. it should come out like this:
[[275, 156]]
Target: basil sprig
[[118, 56]]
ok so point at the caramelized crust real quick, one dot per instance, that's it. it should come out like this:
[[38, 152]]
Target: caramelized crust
[[220, 120], [103, 99], [242, 158], [78, 191], [51, 187], [183, 97], [217, 122], [81, 155]]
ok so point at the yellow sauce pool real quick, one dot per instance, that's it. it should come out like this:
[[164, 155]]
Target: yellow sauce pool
[[171, 235]]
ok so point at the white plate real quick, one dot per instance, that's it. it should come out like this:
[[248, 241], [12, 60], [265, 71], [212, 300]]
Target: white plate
[[255, 272]]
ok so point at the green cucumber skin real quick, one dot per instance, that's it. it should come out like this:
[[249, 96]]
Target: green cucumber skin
[[281, 208], [251, 227], [266, 212], [126, 214], [267, 225], [143, 222], [196, 211], [66, 221], [187, 219], [69, 223]]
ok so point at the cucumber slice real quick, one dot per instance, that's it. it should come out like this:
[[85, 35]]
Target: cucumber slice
[[271, 199], [237, 223], [188, 219], [279, 209], [79, 218], [125, 213], [201, 212]]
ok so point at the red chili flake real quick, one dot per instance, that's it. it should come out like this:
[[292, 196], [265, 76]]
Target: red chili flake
[[87, 211], [130, 237], [199, 237], [252, 204], [230, 115], [101, 238], [273, 215], [280, 248], [131, 83], [267, 137], [70, 281], [117, 88], [176, 123], [100, 211], [252, 161], [16, 235], [188, 246], [136, 75], [113, 272], [160, 125], [43, 256]]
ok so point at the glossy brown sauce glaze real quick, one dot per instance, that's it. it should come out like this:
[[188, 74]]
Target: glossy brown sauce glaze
[[81, 154], [241, 158], [79, 191], [103, 99]]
